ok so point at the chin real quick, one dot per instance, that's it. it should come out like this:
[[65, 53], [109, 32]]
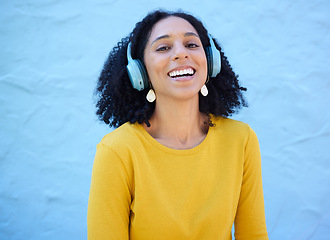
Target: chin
[[186, 95]]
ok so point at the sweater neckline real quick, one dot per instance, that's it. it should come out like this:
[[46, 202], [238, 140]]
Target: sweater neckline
[[164, 148]]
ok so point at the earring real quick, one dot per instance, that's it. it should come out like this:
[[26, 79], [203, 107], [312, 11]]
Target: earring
[[204, 91], [207, 80], [151, 96]]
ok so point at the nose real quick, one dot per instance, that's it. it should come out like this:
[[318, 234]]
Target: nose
[[180, 52]]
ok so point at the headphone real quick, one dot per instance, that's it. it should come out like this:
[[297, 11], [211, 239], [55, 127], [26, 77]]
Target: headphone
[[138, 74]]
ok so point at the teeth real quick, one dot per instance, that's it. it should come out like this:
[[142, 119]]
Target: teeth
[[181, 72]]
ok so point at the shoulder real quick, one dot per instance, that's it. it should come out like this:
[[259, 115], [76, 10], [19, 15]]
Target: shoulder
[[125, 135], [117, 147], [233, 129], [231, 125]]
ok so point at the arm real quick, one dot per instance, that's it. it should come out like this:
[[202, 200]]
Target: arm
[[250, 217], [109, 198]]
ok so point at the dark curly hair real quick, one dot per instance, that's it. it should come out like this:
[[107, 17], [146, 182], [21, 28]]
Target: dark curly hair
[[118, 102]]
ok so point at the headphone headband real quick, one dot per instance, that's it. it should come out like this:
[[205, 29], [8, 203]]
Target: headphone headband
[[214, 59], [129, 57]]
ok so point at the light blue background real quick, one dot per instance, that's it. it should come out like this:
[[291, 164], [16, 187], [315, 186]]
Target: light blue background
[[52, 53]]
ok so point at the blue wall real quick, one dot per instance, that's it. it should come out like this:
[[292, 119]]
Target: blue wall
[[52, 52]]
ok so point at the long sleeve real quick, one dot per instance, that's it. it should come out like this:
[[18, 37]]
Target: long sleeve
[[250, 221], [109, 198]]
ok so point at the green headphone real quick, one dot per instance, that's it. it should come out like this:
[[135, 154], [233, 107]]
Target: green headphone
[[139, 77]]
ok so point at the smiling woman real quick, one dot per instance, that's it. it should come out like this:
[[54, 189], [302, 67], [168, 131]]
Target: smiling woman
[[176, 167], [174, 49]]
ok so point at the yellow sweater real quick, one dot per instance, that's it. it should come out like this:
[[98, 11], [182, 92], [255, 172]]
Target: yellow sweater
[[142, 190]]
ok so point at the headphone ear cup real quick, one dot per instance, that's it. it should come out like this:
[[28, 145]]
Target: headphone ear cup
[[213, 59], [209, 61], [136, 72]]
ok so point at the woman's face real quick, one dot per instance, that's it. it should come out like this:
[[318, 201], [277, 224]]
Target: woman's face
[[175, 59]]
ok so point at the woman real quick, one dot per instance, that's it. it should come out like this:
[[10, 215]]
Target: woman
[[176, 167]]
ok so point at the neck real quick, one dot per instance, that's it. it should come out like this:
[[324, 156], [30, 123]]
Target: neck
[[178, 124]]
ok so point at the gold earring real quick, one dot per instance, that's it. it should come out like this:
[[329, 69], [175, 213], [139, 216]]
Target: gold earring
[[207, 80], [151, 96]]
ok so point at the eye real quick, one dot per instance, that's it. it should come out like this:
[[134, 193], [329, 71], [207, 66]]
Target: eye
[[192, 45], [162, 48]]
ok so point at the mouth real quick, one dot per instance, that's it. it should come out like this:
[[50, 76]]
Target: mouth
[[181, 72]]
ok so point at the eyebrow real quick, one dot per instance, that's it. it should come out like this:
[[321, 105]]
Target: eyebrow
[[187, 34]]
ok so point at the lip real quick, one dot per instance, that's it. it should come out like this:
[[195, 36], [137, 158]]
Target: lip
[[182, 68]]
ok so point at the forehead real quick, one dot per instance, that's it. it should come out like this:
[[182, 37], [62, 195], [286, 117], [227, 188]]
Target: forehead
[[171, 26]]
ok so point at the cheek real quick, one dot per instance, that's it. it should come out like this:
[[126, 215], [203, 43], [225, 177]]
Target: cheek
[[205, 59], [203, 63], [155, 66], [201, 59], [152, 71], [149, 66]]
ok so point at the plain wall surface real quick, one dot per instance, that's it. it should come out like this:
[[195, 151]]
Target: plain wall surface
[[52, 53]]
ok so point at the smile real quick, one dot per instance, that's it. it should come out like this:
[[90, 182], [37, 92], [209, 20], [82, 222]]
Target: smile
[[181, 72]]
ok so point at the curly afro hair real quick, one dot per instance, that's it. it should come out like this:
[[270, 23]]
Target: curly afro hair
[[118, 102]]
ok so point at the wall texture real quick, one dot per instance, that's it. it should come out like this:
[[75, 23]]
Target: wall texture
[[52, 52]]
